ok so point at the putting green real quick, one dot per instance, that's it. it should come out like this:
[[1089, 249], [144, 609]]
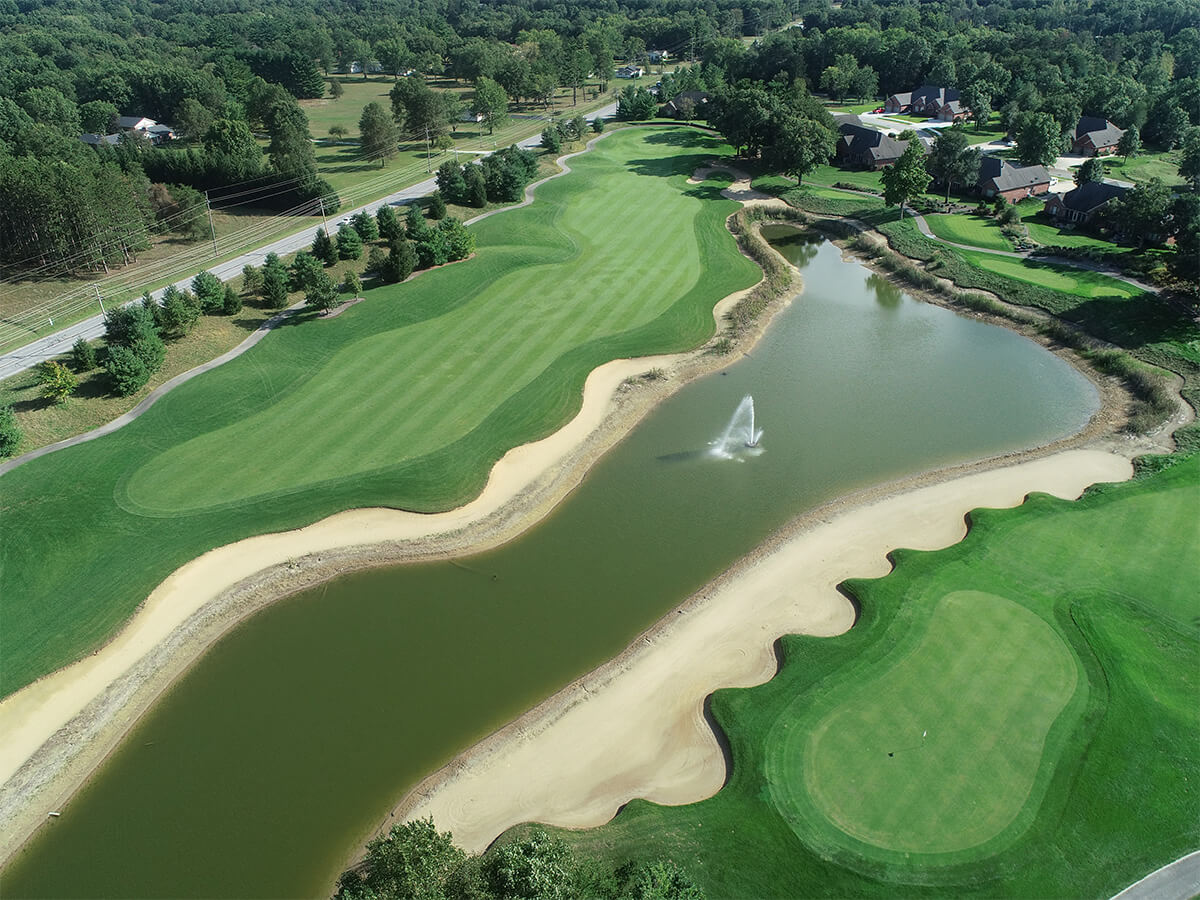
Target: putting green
[[939, 751]]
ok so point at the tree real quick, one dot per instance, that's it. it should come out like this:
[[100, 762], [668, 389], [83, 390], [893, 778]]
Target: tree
[[349, 244], [366, 226], [1039, 140], [275, 282], [1142, 212], [322, 292], [476, 187], [1130, 143], [1189, 162], [1091, 170], [597, 125], [415, 225], [635, 104], [552, 139], [304, 270], [419, 109], [951, 161], [209, 291], [126, 371], [437, 206], [97, 117], [180, 310], [352, 283], [389, 225], [135, 351], [661, 880], [336, 89], [400, 263], [252, 279], [337, 132], [83, 355], [1185, 221], [800, 145], [193, 119], [976, 99], [231, 303], [451, 182], [414, 859], [538, 866], [460, 241], [323, 249], [376, 259], [57, 381], [905, 179], [491, 102], [433, 249], [378, 133], [10, 432]]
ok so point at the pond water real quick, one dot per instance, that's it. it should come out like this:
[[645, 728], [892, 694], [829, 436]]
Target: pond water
[[262, 769]]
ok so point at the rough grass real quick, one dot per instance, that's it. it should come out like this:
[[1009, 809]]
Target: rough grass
[[1046, 231], [977, 231], [1110, 578], [404, 400], [1144, 166]]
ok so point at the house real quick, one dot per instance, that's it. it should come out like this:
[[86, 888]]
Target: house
[[97, 139], [1095, 137], [374, 67], [630, 72], [474, 117], [953, 111], [676, 106], [659, 56], [1083, 203], [153, 130], [926, 100], [1000, 178], [865, 147]]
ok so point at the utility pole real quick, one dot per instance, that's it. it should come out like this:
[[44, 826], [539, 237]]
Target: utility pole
[[211, 229], [428, 156], [100, 300], [321, 200]]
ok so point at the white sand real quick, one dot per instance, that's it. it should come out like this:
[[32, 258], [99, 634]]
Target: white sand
[[635, 728]]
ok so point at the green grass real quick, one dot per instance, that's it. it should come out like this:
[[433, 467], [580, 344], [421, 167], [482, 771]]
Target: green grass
[[974, 230], [405, 400], [1052, 657], [1045, 230], [1079, 282], [1144, 166]]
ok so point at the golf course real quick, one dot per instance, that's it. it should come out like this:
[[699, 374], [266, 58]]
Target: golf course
[[1003, 714], [406, 400]]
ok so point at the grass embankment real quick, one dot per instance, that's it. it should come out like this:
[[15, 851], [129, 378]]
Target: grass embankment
[[977, 231], [1012, 716], [405, 400]]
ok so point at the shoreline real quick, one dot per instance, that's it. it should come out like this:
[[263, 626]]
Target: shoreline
[[60, 729]]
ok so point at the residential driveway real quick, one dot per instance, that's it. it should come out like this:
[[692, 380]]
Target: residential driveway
[[59, 342]]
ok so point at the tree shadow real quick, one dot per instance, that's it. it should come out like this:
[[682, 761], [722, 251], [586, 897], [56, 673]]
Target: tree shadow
[[1133, 322]]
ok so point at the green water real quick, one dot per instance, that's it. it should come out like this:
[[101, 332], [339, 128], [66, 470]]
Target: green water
[[264, 768]]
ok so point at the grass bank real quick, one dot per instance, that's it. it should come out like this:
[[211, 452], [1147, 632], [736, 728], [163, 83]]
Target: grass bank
[[888, 760], [405, 400]]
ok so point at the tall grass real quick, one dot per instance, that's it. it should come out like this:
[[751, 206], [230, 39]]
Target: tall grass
[[778, 276]]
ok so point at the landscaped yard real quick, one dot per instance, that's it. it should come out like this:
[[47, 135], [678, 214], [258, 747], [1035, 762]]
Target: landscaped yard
[[1011, 716], [962, 228], [404, 400], [1144, 166], [1080, 282], [1046, 231]]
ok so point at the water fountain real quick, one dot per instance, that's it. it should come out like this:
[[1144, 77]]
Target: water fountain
[[740, 434]]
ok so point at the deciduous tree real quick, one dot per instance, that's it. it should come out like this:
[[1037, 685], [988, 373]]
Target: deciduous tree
[[906, 178], [377, 131]]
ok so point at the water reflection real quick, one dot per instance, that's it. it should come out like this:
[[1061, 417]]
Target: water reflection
[[887, 294]]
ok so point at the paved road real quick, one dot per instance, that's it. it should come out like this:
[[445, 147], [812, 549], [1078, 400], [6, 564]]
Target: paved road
[[1179, 880], [60, 342]]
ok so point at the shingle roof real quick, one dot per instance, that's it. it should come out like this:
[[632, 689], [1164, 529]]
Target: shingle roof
[[931, 93], [858, 139], [1088, 197], [1007, 177], [1102, 132], [698, 98]]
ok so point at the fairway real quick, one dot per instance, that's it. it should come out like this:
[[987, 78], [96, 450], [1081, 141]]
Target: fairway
[[1080, 282], [405, 400], [1035, 685], [969, 229], [938, 751]]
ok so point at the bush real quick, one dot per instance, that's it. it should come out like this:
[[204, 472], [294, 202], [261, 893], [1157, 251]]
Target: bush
[[209, 292], [10, 432], [231, 304], [83, 356], [376, 260], [437, 206], [460, 242]]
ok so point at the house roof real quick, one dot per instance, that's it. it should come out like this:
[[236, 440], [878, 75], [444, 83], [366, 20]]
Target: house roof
[[930, 93], [904, 98], [96, 139], [859, 140], [1007, 177], [955, 106], [1092, 195], [1102, 132], [134, 122], [698, 98]]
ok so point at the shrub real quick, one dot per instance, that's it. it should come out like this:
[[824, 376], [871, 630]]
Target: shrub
[[10, 432], [57, 381], [366, 226], [437, 206], [231, 304], [209, 292], [376, 260], [83, 356]]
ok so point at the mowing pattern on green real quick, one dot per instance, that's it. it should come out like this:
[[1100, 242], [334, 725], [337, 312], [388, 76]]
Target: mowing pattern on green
[[1112, 577], [406, 400], [936, 751], [1080, 282]]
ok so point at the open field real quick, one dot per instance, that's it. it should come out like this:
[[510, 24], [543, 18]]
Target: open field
[[1080, 282], [970, 229], [405, 400], [1010, 716]]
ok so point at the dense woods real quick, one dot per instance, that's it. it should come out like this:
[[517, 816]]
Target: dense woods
[[227, 79]]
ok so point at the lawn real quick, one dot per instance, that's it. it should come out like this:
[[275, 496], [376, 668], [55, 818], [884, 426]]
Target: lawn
[[405, 400], [1045, 230], [1079, 282], [1144, 166], [1012, 716], [977, 231]]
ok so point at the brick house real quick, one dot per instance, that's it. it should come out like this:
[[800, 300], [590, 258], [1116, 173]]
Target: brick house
[[1083, 204], [1095, 137], [926, 100], [1000, 178], [953, 111], [864, 147]]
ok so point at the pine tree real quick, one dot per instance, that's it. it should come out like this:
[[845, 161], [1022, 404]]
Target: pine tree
[[323, 249], [389, 225], [10, 432], [378, 134], [349, 244], [275, 283], [401, 260], [366, 226], [231, 305], [437, 206], [209, 291]]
